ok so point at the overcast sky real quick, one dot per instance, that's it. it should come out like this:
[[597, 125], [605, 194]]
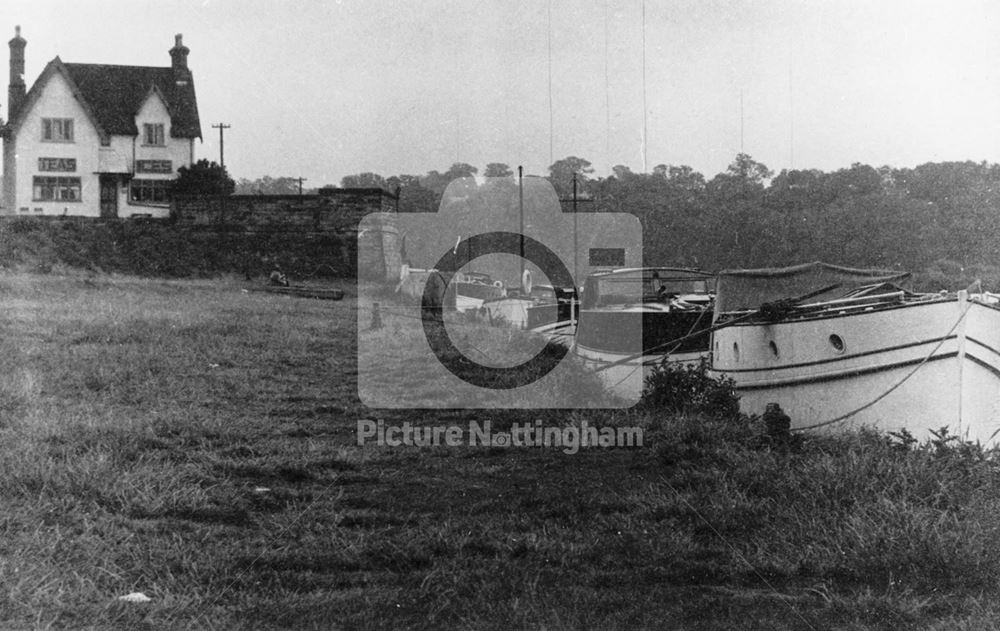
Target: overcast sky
[[322, 88]]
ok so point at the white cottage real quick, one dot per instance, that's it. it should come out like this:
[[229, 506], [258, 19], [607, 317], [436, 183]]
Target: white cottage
[[97, 140]]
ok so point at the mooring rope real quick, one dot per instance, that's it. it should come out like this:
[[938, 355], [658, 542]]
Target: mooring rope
[[844, 417]]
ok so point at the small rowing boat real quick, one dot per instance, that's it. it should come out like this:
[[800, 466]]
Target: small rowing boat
[[303, 291]]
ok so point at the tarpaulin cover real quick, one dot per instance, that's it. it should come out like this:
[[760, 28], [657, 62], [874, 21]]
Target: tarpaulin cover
[[750, 288]]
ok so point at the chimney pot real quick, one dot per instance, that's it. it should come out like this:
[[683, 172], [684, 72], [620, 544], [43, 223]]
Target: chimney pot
[[178, 57], [16, 90]]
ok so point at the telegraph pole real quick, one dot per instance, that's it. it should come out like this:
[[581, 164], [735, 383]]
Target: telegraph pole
[[221, 127], [222, 199], [300, 180]]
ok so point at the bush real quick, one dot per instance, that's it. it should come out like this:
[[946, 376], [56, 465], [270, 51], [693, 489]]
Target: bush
[[952, 276], [203, 178], [690, 389]]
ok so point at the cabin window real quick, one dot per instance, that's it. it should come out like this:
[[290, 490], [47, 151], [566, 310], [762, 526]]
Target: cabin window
[[152, 134], [773, 347], [57, 129], [62, 189], [736, 351], [151, 191], [837, 343]]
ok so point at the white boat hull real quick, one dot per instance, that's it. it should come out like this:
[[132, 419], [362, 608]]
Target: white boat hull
[[512, 312], [467, 303], [916, 366]]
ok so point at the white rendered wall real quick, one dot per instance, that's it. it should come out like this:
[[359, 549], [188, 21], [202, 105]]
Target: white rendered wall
[[56, 101], [176, 150]]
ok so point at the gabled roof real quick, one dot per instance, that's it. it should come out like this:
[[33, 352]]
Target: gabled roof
[[116, 93], [113, 95]]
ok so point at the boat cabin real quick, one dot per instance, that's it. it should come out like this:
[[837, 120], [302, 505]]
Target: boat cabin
[[632, 286]]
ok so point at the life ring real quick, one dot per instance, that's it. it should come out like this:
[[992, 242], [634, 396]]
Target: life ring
[[498, 284], [526, 282]]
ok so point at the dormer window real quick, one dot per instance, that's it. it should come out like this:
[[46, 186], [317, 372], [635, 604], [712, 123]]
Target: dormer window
[[152, 134], [57, 129]]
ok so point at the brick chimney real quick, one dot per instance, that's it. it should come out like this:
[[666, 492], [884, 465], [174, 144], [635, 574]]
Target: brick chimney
[[179, 60], [16, 88]]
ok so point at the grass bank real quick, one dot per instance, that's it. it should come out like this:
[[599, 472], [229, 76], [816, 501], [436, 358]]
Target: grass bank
[[196, 442]]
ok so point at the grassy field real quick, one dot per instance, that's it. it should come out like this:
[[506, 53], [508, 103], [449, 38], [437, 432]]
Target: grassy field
[[196, 442]]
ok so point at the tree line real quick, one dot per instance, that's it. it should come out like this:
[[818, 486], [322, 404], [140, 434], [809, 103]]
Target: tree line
[[940, 221]]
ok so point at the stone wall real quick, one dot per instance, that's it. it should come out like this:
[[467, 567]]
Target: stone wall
[[301, 233], [332, 210]]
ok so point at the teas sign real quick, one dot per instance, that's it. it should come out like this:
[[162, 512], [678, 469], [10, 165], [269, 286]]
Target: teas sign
[[154, 166], [57, 164]]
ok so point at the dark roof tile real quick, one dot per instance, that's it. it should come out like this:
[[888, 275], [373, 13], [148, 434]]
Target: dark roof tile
[[115, 94]]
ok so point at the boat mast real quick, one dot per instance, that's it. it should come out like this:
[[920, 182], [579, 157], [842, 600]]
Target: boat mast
[[575, 276], [576, 287], [520, 206]]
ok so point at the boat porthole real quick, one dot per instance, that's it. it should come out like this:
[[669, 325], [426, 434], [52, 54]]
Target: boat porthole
[[774, 347], [837, 343], [736, 351]]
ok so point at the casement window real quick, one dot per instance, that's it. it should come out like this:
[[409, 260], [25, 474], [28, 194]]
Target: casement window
[[56, 189], [151, 191], [57, 129], [152, 134]]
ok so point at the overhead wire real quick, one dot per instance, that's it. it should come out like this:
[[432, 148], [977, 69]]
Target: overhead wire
[[645, 130], [549, 40]]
